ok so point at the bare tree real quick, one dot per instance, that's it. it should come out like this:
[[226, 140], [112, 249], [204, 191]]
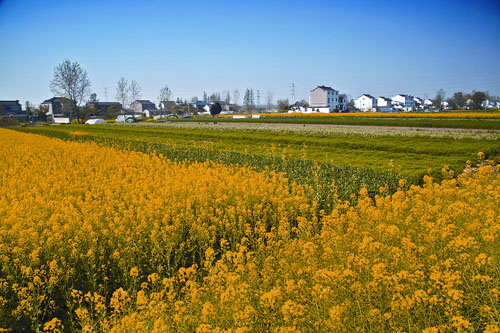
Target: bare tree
[[236, 96], [71, 81], [135, 91], [438, 100], [165, 94], [122, 90], [269, 99], [227, 96]]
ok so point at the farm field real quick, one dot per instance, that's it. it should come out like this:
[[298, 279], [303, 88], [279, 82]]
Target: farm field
[[141, 228], [408, 153], [463, 119]]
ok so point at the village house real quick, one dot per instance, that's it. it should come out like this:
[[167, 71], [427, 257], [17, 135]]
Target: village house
[[384, 101], [428, 103], [105, 107], [365, 103], [324, 99], [342, 107], [406, 101], [10, 108], [58, 106], [143, 107], [166, 106]]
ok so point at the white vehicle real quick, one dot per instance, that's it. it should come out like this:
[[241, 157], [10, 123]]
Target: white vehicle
[[96, 121], [125, 118]]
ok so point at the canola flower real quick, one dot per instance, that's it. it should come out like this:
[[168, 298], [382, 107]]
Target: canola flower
[[447, 114], [93, 239]]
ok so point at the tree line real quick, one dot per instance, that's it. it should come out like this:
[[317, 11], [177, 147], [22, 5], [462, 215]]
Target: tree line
[[71, 81]]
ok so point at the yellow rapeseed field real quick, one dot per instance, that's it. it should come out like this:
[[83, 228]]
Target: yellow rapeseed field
[[97, 239], [447, 114]]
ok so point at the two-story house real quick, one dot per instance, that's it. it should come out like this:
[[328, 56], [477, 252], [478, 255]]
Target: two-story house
[[406, 101], [141, 107], [10, 108], [365, 103], [324, 99], [165, 106], [58, 106]]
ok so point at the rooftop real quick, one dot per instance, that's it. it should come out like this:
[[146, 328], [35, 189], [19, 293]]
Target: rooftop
[[323, 87]]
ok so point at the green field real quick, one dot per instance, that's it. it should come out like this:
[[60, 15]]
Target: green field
[[351, 159], [408, 155]]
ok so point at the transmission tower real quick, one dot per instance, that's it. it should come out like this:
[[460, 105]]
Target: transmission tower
[[106, 94], [258, 98], [293, 93]]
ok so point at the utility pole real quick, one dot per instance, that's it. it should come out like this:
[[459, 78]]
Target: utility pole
[[293, 93]]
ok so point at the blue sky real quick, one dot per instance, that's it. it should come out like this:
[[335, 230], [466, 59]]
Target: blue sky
[[377, 47]]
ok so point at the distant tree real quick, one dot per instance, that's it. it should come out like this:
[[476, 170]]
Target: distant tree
[[452, 104], [28, 108], [246, 100], [269, 99], [194, 99], [205, 96], [187, 109], [478, 97], [93, 99], [227, 96], [215, 109], [303, 102], [41, 113], [112, 112], [135, 91], [459, 100], [91, 105], [122, 90], [236, 96], [252, 100], [438, 100], [174, 109], [165, 94], [351, 103], [283, 104], [71, 81]]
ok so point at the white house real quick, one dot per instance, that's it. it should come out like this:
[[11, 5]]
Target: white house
[[324, 99], [366, 103], [383, 101], [419, 103], [487, 104], [406, 101], [428, 103]]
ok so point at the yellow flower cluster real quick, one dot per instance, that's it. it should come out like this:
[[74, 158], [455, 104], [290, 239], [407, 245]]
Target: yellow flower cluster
[[422, 260], [81, 223], [93, 238], [447, 114]]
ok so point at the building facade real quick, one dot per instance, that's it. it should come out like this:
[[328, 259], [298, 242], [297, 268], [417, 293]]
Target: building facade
[[10, 108], [324, 99], [406, 101], [143, 107], [365, 103], [58, 106]]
